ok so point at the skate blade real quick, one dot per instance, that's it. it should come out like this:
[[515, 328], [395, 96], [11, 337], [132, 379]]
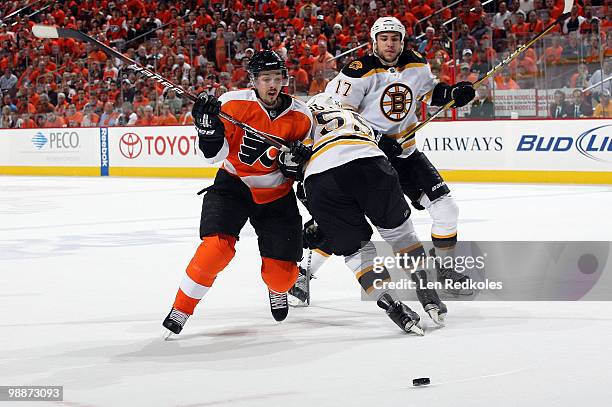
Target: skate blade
[[436, 317], [296, 302], [167, 335], [415, 329]]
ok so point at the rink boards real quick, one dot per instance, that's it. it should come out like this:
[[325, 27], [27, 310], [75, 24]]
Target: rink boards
[[557, 151]]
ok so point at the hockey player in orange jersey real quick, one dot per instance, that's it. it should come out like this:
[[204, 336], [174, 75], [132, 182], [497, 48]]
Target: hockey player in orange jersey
[[251, 184]]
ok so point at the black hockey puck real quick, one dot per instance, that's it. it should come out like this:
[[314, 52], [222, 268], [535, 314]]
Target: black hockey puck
[[421, 381]]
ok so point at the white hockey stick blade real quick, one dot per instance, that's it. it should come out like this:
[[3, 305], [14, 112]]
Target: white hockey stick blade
[[416, 329], [568, 6], [435, 317], [45, 31]]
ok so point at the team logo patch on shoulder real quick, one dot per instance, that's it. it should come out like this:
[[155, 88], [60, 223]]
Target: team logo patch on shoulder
[[417, 54], [356, 65], [396, 101]]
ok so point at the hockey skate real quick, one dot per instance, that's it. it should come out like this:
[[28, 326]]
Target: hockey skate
[[174, 323], [401, 314], [428, 297], [278, 305], [446, 274], [299, 294]]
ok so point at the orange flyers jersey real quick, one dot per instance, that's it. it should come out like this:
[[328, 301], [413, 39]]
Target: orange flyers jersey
[[249, 158]]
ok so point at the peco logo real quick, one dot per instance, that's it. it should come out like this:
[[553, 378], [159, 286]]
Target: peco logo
[[595, 144], [130, 145], [57, 140]]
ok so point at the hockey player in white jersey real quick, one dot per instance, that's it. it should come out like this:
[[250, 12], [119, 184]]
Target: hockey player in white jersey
[[385, 89], [347, 179]]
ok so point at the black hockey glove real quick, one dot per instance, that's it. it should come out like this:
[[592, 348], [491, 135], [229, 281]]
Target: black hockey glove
[[205, 114], [290, 163], [312, 237], [462, 93], [389, 146]]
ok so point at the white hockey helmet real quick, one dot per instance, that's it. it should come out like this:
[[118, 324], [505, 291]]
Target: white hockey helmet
[[323, 101], [387, 24]]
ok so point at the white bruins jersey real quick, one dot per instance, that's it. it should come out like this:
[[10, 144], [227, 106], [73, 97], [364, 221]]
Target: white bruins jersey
[[338, 137], [386, 96]]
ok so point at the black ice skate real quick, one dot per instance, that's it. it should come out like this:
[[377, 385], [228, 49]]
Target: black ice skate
[[446, 273], [428, 297], [278, 305], [299, 294], [401, 314], [174, 322]]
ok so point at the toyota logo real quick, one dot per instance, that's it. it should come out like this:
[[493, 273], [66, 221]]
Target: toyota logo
[[130, 145]]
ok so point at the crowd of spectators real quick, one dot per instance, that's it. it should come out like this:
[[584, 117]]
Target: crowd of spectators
[[204, 45]]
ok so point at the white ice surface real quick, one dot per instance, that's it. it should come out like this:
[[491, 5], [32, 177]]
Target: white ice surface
[[89, 268]]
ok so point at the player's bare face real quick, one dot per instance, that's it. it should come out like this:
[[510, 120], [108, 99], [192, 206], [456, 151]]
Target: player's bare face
[[389, 45], [269, 85]]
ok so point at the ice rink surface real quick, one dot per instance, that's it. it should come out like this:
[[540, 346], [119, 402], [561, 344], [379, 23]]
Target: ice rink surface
[[89, 268]]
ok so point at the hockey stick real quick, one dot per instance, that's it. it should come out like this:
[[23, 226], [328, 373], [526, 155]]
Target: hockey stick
[[44, 31], [16, 12], [568, 7], [597, 84]]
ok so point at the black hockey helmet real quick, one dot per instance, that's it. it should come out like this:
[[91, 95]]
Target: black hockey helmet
[[266, 61]]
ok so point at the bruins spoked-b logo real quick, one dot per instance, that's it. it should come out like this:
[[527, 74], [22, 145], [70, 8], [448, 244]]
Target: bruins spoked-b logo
[[253, 149], [396, 101]]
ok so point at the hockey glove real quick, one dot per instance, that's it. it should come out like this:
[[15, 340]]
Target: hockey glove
[[290, 163], [389, 146], [312, 237], [462, 93], [300, 194], [205, 114]]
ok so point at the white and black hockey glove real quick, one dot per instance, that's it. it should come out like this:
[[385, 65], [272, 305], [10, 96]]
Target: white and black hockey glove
[[290, 163]]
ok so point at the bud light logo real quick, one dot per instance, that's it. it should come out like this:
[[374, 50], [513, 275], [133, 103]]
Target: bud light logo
[[593, 143], [130, 145], [39, 140]]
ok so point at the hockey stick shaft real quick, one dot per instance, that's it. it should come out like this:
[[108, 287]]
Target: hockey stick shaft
[[42, 31], [16, 12], [486, 76], [597, 84]]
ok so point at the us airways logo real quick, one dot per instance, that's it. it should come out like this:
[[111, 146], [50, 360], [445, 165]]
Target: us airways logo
[[595, 144], [463, 144], [253, 149]]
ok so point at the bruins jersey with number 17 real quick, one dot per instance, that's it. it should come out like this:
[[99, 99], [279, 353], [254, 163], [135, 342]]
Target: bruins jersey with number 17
[[386, 96]]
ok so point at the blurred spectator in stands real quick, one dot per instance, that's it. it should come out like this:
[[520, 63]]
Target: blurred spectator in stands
[[580, 106], [183, 67], [307, 61], [43, 105], [483, 64], [560, 108], [185, 116], [427, 42], [552, 54], [482, 28], [465, 40], [174, 101], [547, 20], [482, 106], [573, 51], [580, 79], [505, 82], [8, 80], [166, 118], [299, 75], [526, 6], [90, 119], [553, 10], [240, 76], [535, 24], [54, 121], [40, 120], [318, 83], [597, 78], [325, 61], [574, 22], [109, 116], [61, 105], [147, 118], [24, 121], [502, 15], [465, 74], [521, 27], [607, 52], [7, 120], [604, 107], [127, 116], [73, 116]]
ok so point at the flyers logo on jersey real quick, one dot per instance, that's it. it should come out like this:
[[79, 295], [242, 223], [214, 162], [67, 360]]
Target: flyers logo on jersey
[[253, 149], [396, 101]]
